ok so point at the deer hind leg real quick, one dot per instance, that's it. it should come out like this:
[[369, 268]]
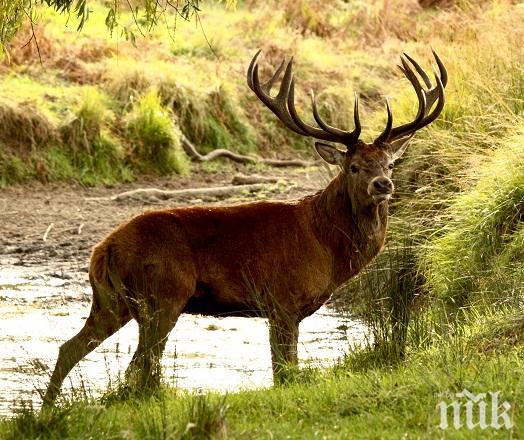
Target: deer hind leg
[[144, 371], [283, 339], [156, 313], [105, 318]]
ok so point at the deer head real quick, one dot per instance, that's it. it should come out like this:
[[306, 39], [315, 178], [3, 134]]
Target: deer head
[[365, 167]]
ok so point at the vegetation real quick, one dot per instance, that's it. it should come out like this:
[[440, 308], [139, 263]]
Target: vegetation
[[444, 300]]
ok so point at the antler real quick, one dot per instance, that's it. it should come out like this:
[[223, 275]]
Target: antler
[[426, 99], [283, 106]]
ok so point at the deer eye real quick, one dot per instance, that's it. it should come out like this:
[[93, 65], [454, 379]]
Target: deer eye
[[391, 166], [354, 168]]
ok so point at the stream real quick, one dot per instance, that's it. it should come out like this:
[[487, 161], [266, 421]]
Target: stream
[[43, 306]]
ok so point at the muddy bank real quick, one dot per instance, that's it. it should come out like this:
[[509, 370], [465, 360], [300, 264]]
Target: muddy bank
[[51, 223]]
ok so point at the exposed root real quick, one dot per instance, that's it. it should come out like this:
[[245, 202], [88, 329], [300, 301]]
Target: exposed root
[[242, 179], [195, 156], [218, 191]]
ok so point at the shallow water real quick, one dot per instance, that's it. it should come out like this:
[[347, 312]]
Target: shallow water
[[41, 307]]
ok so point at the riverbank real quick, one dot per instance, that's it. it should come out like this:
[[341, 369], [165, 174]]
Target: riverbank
[[391, 402]]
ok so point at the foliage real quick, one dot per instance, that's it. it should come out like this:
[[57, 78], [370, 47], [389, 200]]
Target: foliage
[[146, 14], [11, 16]]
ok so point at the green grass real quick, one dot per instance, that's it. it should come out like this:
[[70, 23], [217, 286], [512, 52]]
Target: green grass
[[376, 403], [443, 301], [483, 234], [154, 136]]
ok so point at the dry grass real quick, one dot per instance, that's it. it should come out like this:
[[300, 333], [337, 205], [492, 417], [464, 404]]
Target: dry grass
[[23, 127]]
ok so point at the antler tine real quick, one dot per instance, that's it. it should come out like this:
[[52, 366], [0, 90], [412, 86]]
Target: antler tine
[[384, 136], [419, 69], [356, 119], [320, 121], [421, 112], [309, 129], [278, 104], [286, 82], [432, 93], [268, 85], [440, 104], [427, 98], [442, 69], [349, 138], [412, 78], [250, 69], [283, 106]]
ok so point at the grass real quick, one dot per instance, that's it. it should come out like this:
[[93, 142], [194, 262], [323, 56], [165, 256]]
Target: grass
[[155, 137], [483, 231], [377, 403], [443, 301]]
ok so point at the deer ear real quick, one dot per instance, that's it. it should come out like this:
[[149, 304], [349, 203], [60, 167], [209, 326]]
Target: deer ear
[[330, 154], [398, 147]]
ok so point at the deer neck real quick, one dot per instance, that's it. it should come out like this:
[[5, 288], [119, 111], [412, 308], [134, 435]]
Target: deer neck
[[353, 235]]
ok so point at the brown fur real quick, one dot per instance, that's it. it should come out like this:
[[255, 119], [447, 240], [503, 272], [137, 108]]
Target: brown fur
[[280, 260]]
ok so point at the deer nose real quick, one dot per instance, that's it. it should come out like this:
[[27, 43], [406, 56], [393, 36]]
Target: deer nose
[[383, 185]]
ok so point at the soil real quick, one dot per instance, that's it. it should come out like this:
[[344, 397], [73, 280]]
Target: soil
[[53, 223]]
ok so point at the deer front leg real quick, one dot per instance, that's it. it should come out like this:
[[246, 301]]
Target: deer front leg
[[283, 339]]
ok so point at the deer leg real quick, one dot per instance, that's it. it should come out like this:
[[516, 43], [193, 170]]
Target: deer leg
[[283, 339], [144, 371], [101, 323]]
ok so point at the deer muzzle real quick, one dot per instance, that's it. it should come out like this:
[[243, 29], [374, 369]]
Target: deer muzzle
[[381, 189]]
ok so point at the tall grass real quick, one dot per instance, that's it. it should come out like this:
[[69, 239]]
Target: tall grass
[[476, 251], [94, 151], [154, 136]]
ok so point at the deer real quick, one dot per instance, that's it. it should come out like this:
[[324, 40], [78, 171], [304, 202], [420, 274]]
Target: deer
[[280, 260]]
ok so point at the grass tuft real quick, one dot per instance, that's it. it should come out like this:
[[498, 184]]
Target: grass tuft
[[155, 137], [94, 152]]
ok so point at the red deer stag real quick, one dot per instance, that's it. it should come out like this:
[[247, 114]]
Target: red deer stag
[[280, 260]]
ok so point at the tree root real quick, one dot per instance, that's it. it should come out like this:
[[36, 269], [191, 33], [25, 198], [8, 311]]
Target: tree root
[[218, 191], [195, 156], [242, 179]]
